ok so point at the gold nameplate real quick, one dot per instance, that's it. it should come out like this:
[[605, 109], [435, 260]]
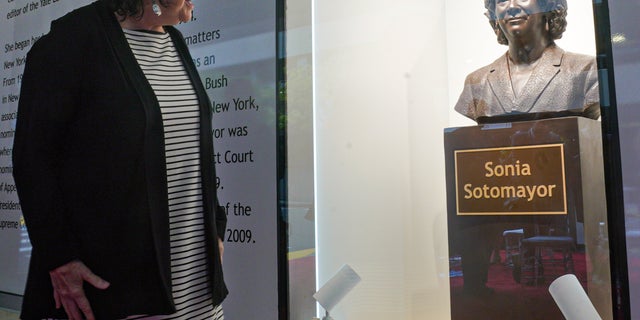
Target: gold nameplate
[[511, 180]]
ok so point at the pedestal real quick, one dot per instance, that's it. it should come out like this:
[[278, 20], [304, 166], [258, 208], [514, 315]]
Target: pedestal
[[545, 177]]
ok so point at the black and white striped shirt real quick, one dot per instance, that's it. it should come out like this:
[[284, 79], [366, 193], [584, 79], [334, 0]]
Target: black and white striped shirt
[[163, 68]]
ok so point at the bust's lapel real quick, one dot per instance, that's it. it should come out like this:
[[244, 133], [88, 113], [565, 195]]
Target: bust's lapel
[[500, 84], [547, 68]]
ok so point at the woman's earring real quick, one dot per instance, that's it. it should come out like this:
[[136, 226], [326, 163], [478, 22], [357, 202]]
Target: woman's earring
[[156, 8]]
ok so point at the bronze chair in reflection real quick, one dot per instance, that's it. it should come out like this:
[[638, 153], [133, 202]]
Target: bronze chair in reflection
[[549, 251]]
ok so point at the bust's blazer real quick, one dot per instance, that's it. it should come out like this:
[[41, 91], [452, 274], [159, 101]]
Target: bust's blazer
[[90, 169], [561, 81]]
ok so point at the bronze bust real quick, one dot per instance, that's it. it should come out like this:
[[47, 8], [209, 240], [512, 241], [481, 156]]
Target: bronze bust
[[535, 78]]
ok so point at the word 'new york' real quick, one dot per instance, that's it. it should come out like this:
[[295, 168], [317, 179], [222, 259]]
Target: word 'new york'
[[239, 104]]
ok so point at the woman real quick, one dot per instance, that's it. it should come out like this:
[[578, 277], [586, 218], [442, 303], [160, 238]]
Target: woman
[[535, 75], [113, 160]]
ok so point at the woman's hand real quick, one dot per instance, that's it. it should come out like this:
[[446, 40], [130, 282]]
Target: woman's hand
[[220, 248], [67, 281]]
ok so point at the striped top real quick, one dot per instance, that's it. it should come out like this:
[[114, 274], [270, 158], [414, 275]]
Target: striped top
[[163, 68]]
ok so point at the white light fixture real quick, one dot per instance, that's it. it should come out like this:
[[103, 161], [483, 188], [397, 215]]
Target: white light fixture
[[572, 300], [334, 290]]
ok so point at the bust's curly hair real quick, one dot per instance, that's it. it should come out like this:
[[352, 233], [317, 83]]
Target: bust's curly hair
[[556, 11], [129, 8]]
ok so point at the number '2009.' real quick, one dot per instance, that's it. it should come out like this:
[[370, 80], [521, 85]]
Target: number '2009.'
[[240, 236]]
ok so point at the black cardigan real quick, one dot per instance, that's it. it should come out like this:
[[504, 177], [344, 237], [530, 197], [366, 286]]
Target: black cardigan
[[90, 171]]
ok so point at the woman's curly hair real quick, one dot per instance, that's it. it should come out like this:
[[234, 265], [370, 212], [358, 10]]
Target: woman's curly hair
[[129, 8], [556, 11]]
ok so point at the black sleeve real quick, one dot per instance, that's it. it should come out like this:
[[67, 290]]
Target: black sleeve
[[48, 96]]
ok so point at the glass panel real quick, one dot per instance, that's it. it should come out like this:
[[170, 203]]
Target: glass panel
[[386, 78], [301, 209], [625, 42]]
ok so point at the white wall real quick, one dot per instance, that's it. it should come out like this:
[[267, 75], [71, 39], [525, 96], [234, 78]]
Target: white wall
[[380, 103]]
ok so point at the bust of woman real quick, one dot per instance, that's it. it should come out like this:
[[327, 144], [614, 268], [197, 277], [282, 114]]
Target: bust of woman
[[534, 77]]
